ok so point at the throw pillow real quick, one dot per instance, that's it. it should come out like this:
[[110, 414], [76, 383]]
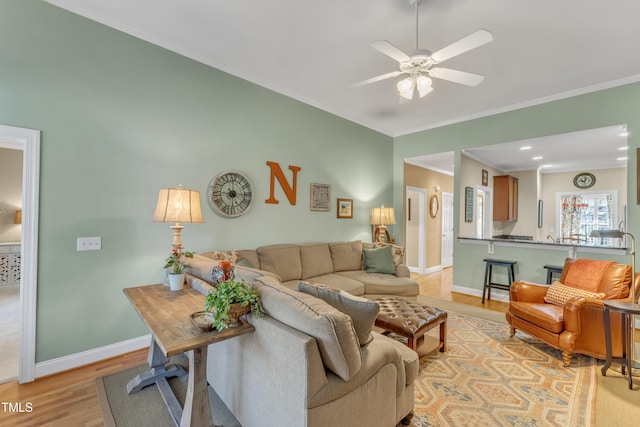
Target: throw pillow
[[379, 260], [396, 251], [559, 294], [332, 329], [363, 312]]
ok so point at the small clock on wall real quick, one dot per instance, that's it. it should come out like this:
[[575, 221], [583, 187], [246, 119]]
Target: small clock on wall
[[584, 180], [231, 194]]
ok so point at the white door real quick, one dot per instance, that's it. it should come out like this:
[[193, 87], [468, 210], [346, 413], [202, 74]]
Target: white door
[[447, 230], [416, 237]]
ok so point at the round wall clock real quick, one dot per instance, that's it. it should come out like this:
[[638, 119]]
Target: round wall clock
[[584, 180], [231, 194]]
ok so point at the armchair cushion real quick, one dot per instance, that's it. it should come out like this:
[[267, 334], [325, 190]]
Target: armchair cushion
[[559, 294], [586, 274]]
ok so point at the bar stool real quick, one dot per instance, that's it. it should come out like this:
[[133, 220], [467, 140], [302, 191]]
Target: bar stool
[[551, 270], [488, 275]]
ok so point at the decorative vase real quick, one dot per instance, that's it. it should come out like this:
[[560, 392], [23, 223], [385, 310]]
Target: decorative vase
[[176, 281], [235, 313]]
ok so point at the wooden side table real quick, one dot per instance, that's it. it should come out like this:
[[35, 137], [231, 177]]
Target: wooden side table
[[626, 309], [167, 315]]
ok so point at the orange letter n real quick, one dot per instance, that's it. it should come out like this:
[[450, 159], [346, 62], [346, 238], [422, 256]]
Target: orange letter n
[[289, 191]]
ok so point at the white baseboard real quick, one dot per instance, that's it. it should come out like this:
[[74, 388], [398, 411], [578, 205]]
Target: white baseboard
[[76, 360], [427, 271], [496, 294]]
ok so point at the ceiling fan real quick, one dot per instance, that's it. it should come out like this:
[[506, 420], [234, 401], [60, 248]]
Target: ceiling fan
[[420, 64]]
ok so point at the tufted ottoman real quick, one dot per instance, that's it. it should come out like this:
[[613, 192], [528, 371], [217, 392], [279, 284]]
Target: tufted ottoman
[[411, 320]]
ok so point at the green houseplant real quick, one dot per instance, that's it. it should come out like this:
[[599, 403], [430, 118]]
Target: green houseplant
[[231, 299], [177, 261]]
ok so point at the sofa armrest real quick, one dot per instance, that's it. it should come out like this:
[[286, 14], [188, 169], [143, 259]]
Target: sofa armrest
[[528, 292], [403, 271], [198, 284]]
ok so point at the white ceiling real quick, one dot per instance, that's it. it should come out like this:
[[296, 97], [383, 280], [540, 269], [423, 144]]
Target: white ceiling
[[313, 50]]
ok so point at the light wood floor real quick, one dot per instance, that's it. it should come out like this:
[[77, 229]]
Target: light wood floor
[[69, 399]]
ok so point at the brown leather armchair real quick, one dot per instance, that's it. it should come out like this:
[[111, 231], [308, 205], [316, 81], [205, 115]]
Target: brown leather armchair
[[578, 325]]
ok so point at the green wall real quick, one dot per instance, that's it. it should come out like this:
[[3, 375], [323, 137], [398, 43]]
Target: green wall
[[597, 109], [120, 119]]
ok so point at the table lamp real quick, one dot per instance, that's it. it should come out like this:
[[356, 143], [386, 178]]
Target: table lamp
[[178, 205], [380, 218]]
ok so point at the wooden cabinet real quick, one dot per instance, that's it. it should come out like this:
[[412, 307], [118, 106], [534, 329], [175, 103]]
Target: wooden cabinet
[[505, 198]]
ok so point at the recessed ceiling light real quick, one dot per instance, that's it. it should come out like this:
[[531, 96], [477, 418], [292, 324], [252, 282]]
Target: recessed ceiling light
[[622, 158], [537, 158], [546, 166], [525, 147], [623, 148]]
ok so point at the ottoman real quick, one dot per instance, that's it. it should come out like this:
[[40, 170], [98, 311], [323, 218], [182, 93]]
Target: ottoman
[[411, 320]]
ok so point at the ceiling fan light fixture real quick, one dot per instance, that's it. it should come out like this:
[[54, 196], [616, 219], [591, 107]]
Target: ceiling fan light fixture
[[423, 82], [405, 85]]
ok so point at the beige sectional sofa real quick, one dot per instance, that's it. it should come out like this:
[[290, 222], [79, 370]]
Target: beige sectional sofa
[[309, 363], [338, 264]]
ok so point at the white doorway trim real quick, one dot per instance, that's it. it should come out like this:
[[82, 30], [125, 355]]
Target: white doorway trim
[[422, 219], [27, 140], [446, 245]]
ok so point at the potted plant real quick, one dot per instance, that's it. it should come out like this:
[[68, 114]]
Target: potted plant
[[177, 262], [231, 299]]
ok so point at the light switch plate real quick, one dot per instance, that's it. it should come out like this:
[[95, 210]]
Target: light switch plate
[[89, 243]]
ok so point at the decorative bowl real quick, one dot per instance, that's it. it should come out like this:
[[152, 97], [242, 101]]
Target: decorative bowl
[[203, 320]]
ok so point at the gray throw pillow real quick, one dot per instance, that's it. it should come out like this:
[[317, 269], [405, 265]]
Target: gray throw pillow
[[379, 260], [363, 312]]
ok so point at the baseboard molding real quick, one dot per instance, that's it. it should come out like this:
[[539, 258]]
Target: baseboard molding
[[427, 271], [496, 294], [76, 360]]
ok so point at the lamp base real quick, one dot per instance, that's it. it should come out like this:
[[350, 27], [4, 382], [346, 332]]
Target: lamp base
[[381, 234]]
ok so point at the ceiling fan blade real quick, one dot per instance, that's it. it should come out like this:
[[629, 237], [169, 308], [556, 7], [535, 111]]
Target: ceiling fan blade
[[376, 79], [456, 76], [463, 45], [390, 50]]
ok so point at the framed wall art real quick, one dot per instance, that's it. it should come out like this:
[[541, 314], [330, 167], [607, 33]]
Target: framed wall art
[[320, 197], [345, 208], [485, 178]]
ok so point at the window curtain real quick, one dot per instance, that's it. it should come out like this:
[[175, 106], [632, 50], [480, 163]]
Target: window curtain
[[573, 207]]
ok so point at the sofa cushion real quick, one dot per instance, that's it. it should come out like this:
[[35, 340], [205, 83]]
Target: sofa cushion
[[337, 280], [316, 260], [379, 260], [559, 294], [383, 284], [363, 312], [346, 256], [283, 260], [332, 329]]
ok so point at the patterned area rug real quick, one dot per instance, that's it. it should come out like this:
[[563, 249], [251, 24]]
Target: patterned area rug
[[487, 378]]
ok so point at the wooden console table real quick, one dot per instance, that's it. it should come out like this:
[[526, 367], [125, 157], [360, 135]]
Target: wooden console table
[[167, 315]]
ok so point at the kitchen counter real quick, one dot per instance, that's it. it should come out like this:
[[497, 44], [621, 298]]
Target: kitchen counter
[[573, 248]]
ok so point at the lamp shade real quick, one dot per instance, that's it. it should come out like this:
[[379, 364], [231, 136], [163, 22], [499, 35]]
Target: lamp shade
[[178, 205], [382, 216], [17, 219], [607, 234]]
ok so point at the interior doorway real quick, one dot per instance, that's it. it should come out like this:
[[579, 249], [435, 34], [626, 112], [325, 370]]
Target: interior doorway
[[416, 236], [27, 140]]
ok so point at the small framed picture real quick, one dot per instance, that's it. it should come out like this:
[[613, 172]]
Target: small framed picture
[[345, 208], [485, 178], [320, 197]]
